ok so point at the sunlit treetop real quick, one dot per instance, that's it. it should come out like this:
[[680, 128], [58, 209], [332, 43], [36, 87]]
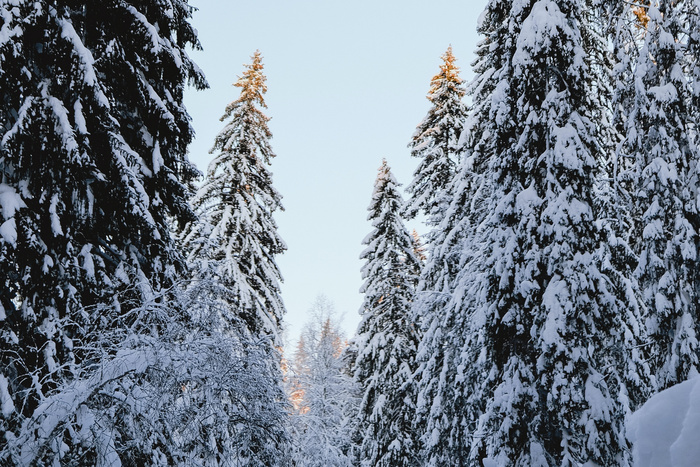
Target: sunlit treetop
[[449, 74], [252, 82]]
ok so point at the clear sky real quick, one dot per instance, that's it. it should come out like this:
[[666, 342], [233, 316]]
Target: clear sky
[[346, 87]]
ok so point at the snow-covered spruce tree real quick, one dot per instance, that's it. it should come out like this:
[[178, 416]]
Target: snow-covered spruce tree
[[660, 138], [231, 250], [610, 22], [435, 142], [545, 358], [418, 247], [387, 339], [323, 393], [235, 239], [92, 165], [441, 369]]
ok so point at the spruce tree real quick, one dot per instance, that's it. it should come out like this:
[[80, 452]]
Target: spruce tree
[[611, 93], [659, 138], [553, 321], [387, 339], [536, 318], [442, 368], [92, 166], [435, 142], [235, 239], [231, 251]]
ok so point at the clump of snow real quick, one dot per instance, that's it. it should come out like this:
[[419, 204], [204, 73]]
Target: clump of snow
[[664, 431], [6, 405], [8, 231], [10, 201]]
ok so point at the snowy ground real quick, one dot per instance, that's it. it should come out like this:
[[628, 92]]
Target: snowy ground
[[666, 430]]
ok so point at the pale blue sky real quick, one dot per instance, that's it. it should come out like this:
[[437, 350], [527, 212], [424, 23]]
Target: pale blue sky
[[346, 87]]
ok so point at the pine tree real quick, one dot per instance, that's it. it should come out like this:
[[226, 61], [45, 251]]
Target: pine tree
[[612, 84], [387, 339], [92, 166], [435, 142], [418, 247], [235, 239], [548, 299], [659, 138]]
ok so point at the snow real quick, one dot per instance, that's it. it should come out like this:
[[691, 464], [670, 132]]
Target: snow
[[55, 409], [537, 29], [555, 295], [158, 161], [664, 431], [55, 220], [666, 93], [151, 30], [6, 405], [8, 231], [7, 33], [567, 147], [87, 60], [10, 201], [88, 264], [527, 200], [80, 124]]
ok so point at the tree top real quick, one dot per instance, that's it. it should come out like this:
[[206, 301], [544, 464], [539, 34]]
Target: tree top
[[449, 73], [252, 81]]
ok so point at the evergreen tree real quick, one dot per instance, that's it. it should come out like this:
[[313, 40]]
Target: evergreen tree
[[611, 92], [92, 166], [231, 252], [418, 247], [659, 138], [387, 339], [541, 359], [548, 298], [435, 142], [235, 239], [692, 10], [441, 371], [323, 393]]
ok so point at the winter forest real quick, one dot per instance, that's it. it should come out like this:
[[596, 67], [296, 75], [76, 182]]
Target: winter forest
[[548, 317]]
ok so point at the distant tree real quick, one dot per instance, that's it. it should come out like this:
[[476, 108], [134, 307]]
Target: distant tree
[[418, 247], [92, 167], [435, 142], [322, 392], [387, 339], [235, 239]]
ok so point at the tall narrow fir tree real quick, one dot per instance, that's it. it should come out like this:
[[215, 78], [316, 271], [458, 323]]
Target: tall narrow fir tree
[[435, 142], [236, 239], [231, 252], [386, 338]]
